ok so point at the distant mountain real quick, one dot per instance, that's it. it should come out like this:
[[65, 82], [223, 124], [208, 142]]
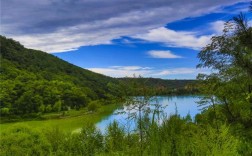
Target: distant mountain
[[165, 87], [157, 82], [34, 81]]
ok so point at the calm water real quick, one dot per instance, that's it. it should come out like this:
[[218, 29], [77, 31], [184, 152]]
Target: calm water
[[184, 105]]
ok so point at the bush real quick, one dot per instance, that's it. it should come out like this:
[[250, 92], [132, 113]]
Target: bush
[[93, 106], [48, 108], [22, 140], [57, 106], [114, 137], [89, 142], [5, 111]]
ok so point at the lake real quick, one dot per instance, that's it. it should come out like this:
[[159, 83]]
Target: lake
[[186, 104]]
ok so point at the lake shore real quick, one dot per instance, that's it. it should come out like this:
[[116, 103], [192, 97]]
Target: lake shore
[[67, 124]]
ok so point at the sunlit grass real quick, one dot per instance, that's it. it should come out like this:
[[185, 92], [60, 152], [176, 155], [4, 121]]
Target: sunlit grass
[[73, 120]]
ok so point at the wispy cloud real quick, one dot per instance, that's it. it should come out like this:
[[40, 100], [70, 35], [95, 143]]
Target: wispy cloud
[[173, 38], [250, 23], [129, 71], [132, 68], [217, 26], [57, 26], [123, 71], [233, 10], [176, 71], [162, 54]]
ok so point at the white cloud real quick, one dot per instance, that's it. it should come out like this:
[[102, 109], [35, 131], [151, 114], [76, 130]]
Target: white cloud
[[217, 26], [123, 71], [129, 71], [176, 71], [173, 38], [71, 38], [133, 68], [250, 23], [57, 26], [162, 54], [186, 39]]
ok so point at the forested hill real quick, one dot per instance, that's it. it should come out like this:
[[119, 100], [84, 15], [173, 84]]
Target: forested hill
[[157, 82], [48, 66], [165, 86], [34, 81]]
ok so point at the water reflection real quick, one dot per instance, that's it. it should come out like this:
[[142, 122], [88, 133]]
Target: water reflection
[[184, 105]]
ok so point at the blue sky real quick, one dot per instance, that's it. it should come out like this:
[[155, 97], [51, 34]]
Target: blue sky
[[149, 38]]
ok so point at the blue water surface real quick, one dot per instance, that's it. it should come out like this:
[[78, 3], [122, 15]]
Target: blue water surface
[[183, 105]]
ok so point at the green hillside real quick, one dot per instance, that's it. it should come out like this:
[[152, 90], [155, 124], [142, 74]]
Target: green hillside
[[33, 81]]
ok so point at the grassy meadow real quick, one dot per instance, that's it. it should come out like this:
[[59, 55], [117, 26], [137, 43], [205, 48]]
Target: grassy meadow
[[73, 119]]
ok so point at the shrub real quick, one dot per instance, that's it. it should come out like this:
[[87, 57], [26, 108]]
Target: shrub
[[93, 106], [22, 140], [5, 111]]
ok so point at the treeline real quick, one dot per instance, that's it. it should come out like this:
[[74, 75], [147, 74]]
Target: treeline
[[33, 81], [165, 87]]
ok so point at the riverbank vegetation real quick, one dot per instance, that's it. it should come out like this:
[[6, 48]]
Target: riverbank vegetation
[[175, 136], [69, 122]]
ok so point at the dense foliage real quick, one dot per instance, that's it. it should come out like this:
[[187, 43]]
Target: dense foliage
[[33, 81], [174, 137], [229, 88]]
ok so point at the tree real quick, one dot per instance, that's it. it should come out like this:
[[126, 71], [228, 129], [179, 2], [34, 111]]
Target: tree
[[57, 106], [48, 108], [139, 106], [114, 137], [42, 108], [91, 140], [229, 88], [4, 111], [93, 106], [230, 56]]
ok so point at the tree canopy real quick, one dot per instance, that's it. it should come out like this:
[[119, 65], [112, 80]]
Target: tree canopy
[[33, 81], [228, 88]]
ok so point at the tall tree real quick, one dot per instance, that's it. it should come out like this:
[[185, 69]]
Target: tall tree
[[230, 57]]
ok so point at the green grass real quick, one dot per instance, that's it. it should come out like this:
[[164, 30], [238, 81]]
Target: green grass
[[59, 115], [72, 121]]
